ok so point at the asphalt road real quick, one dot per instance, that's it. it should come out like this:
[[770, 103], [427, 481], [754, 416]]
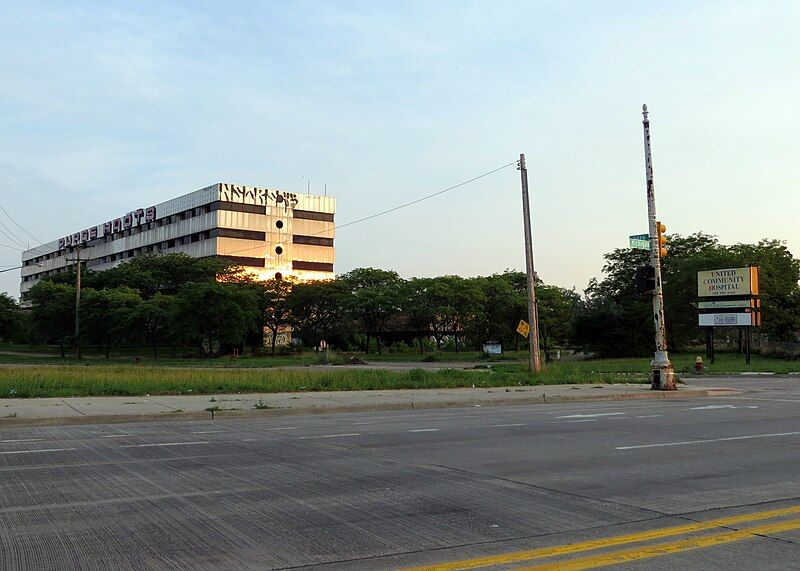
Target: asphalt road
[[711, 483]]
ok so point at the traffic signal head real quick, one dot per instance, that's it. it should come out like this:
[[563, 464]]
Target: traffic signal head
[[645, 279], [662, 239]]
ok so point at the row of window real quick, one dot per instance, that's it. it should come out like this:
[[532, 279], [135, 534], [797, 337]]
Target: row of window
[[205, 235], [185, 215]]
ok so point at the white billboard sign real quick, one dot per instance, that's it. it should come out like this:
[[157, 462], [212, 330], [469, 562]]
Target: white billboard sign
[[725, 319]]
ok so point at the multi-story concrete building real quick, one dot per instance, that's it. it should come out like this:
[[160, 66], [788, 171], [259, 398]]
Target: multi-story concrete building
[[270, 233]]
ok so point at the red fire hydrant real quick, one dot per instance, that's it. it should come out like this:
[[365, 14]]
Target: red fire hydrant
[[698, 365]]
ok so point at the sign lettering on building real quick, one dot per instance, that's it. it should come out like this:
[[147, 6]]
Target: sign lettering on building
[[129, 220], [257, 196]]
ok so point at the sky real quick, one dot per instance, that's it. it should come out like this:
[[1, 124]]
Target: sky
[[110, 106]]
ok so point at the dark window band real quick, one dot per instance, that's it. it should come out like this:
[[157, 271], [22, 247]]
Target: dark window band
[[239, 207], [240, 234], [245, 261], [308, 215], [314, 266], [312, 240]]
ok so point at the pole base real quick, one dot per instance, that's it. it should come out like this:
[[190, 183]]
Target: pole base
[[663, 378]]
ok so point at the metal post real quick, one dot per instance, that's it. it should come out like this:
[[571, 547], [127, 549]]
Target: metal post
[[747, 344], [712, 345], [78, 305], [533, 315], [663, 376]]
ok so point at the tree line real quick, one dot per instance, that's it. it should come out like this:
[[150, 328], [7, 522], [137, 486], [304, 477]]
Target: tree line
[[177, 301], [210, 306]]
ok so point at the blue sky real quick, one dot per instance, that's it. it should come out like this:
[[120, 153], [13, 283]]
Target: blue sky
[[109, 106]]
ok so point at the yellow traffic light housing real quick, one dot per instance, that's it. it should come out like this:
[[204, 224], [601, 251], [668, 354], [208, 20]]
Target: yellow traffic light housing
[[662, 239]]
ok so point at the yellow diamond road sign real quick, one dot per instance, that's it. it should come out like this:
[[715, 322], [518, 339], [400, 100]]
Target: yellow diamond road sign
[[523, 328]]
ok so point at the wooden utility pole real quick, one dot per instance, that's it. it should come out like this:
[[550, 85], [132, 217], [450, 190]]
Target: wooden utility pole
[[77, 302], [533, 313]]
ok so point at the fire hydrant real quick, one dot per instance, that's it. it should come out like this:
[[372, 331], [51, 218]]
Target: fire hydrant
[[698, 365]]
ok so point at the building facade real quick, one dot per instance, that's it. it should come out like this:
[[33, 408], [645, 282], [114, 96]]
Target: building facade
[[270, 233]]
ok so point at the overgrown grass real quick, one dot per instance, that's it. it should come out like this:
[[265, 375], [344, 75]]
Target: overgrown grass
[[64, 381]]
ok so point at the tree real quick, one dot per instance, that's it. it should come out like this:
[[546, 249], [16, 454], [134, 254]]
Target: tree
[[275, 307], [151, 319], [9, 317], [415, 304], [161, 273], [373, 297], [52, 312], [467, 300], [626, 318], [213, 313], [106, 315], [318, 311], [557, 307]]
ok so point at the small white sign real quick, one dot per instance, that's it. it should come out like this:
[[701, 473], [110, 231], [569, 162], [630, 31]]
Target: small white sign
[[725, 319], [492, 348]]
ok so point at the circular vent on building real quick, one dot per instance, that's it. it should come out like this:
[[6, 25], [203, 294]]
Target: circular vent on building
[[279, 224], [278, 276], [278, 250]]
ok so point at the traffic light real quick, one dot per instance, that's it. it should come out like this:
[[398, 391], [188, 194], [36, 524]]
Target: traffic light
[[645, 279], [662, 239]]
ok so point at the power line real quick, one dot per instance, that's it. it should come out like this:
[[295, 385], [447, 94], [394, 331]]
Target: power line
[[418, 200], [11, 236], [17, 248], [396, 208], [18, 226], [360, 220]]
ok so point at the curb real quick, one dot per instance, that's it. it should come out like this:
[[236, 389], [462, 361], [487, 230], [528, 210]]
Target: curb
[[410, 405]]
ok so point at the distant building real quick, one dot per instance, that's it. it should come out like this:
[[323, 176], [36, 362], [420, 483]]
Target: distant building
[[270, 233]]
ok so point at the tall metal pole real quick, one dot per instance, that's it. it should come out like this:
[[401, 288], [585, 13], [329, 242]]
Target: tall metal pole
[[78, 305], [533, 314], [663, 376]]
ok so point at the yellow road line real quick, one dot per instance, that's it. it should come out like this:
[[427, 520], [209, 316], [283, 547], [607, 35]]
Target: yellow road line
[[604, 542], [649, 551]]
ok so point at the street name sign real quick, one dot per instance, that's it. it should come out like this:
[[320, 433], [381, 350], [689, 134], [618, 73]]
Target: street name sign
[[639, 241]]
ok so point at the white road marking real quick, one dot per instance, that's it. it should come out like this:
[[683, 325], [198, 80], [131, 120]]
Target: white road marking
[[505, 425], [591, 415], [36, 451], [165, 444], [650, 416], [424, 430], [116, 435], [776, 400], [331, 435], [584, 420], [728, 439], [22, 440], [284, 428], [206, 431], [720, 406], [248, 440]]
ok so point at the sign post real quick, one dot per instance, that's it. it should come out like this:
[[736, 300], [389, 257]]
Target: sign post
[[728, 297]]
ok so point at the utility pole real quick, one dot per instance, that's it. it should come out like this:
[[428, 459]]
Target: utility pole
[[77, 302], [663, 376], [534, 361]]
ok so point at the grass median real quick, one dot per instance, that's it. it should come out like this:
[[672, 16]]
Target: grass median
[[129, 380]]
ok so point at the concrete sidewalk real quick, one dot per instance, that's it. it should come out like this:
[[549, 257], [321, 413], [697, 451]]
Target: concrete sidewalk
[[88, 410]]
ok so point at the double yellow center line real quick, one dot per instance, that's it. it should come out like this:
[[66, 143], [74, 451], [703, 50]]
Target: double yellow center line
[[628, 555]]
